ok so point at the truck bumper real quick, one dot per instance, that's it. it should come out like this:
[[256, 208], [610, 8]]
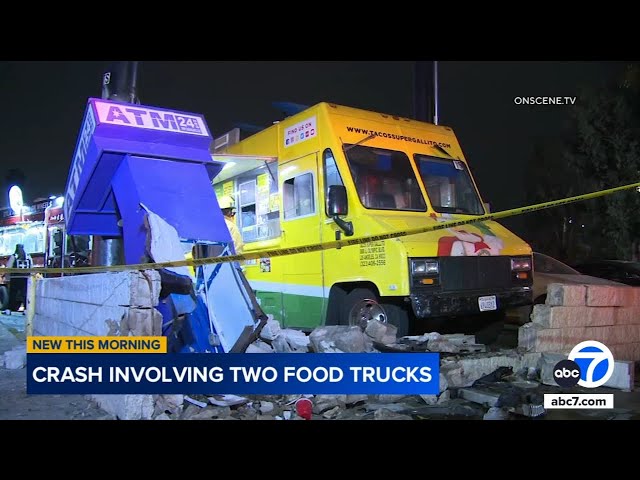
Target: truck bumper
[[436, 304]]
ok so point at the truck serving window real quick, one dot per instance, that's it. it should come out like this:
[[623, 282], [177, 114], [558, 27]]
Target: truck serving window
[[258, 210], [298, 198], [384, 179], [449, 186]]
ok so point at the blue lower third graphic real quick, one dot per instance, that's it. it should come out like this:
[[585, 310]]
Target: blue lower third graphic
[[268, 374]]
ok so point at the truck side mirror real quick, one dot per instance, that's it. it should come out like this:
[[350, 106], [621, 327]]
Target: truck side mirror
[[337, 201], [337, 205]]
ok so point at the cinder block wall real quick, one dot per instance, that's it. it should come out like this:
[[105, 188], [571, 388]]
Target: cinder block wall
[[112, 303], [575, 313]]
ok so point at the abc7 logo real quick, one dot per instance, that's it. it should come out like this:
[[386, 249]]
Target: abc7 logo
[[590, 365]]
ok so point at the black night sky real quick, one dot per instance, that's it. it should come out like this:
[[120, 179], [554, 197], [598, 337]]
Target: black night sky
[[43, 103]]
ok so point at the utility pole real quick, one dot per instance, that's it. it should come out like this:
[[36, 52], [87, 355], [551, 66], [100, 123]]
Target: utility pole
[[425, 91], [119, 84]]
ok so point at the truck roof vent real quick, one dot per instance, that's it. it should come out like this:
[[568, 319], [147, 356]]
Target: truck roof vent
[[226, 140]]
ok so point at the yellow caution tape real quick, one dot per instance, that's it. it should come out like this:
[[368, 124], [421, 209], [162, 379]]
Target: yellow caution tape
[[316, 247]]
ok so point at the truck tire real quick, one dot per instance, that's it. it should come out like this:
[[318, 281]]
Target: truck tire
[[4, 297], [362, 305]]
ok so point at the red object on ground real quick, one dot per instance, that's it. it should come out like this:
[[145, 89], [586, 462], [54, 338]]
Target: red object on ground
[[304, 408]]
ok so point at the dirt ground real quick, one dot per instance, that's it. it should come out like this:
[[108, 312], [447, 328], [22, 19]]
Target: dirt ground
[[15, 404]]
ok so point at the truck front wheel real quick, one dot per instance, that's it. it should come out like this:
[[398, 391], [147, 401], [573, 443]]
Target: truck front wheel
[[4, 297], [361, 306]]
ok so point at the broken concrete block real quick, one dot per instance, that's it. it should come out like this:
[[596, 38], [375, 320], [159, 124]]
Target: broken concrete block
[[227, 400], [195, 402], [531, 360], [386, 398], [472, 348], [126, 407], [442, 345], [141, 322], [15, 358], [495, 413], [162, 416], [270, 330], [623, 376], [280, 345], [479, 396], [442, 383], [345, 338], [171, 403], [384, 333], [332, 413], [211, 413], [386, 414], [322, 403], [430, 399], [444, 397], [540, 315], [298, 341], [528, 333], [259, 347], [548, 362], [460, 339], [266, 407], [351, 399], [568, 295], [328, 347], [465, 371], [394, 407], [454, 375]]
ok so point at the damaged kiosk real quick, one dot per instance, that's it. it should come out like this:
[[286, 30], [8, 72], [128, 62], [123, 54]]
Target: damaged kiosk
[[144, 175]]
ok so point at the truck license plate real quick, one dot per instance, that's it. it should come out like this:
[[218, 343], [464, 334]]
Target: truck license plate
[[487, 303]]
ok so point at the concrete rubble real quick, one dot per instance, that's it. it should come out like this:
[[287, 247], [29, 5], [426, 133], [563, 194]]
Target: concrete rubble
[[474, 382]]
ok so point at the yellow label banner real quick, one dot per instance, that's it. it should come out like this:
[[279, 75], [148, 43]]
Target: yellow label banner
[[106, 344]]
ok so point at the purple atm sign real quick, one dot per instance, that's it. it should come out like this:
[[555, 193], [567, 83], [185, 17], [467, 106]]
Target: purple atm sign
[[149, 118], [110, 133]]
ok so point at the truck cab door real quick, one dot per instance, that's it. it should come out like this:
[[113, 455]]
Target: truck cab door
[[302, 214]]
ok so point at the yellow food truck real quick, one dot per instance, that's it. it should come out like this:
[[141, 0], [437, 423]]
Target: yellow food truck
[[332, 172]]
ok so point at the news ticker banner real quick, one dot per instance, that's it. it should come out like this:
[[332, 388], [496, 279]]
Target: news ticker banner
[[91, 371], [107, 344]]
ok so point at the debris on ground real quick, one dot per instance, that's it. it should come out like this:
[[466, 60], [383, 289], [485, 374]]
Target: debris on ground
[[380, 332], [15, 358], [195, 402], [227, 400], [349, 339], [502, 389], [473, 383]]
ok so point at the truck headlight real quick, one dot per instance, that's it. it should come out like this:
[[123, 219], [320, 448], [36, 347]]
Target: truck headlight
[[424, 267], [521, 264]]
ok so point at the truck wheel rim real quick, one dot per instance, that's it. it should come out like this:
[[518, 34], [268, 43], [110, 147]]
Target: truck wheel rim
[[366, 310]]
